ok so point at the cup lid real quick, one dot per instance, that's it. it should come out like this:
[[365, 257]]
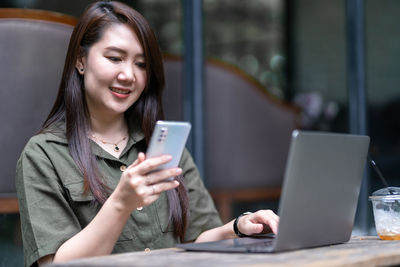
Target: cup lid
[[386, 193]]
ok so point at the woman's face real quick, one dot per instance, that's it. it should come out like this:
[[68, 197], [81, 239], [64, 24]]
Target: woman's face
[[114, 72]]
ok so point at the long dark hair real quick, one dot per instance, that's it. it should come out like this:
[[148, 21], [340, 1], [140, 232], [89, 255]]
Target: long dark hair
[[70, 105]]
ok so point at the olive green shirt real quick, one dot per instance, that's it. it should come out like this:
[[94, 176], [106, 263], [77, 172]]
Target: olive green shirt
[[53, 206]]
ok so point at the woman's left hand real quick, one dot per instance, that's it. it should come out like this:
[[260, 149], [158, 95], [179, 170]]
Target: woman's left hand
[[260, 222]]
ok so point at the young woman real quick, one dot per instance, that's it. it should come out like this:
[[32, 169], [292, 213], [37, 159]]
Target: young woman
[[84, 184]]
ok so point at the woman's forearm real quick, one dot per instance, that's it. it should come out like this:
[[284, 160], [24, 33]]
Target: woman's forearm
[[219, 233], [99, 236]]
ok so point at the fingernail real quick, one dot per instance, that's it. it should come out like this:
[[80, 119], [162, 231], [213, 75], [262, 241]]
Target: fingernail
[[178, 171]]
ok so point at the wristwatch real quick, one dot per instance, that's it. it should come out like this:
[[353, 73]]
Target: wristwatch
[[235, 225]]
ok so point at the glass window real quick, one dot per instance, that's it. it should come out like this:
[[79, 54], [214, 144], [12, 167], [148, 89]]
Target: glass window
[[318, 63], [249, 35], [382, 46]]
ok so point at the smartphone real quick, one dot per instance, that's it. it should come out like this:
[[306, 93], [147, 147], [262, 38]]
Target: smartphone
[[169, 137]]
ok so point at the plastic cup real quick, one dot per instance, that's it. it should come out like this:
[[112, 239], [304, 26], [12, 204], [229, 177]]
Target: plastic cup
[[386, 207]]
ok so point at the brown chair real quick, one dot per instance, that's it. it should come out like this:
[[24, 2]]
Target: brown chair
[[247, 133], [33, 46]]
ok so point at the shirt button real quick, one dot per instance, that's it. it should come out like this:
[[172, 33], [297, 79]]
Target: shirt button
[[147, 250], [122, 168], [139, 208]]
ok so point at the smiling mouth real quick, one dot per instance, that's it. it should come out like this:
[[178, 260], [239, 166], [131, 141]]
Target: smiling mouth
[[120, 91]]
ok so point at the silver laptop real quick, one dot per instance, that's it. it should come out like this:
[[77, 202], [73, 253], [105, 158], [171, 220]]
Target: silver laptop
[[319, 195]]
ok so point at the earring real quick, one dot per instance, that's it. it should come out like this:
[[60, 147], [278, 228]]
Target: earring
[[82, 70]]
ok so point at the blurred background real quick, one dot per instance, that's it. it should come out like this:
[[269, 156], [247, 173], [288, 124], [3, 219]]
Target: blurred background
[[296, 52]]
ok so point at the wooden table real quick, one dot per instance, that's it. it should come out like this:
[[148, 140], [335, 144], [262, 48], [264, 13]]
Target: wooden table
[[359, 251]]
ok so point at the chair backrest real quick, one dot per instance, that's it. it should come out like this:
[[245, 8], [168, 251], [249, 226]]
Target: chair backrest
[[33, 46], [247, 131]]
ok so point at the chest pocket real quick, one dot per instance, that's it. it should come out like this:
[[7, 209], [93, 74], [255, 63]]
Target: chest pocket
[[163, 213], [85, 207]]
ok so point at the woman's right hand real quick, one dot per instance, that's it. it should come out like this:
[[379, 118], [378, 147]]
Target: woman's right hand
[[139, 186]]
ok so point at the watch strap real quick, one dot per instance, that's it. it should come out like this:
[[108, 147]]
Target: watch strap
[[235, 225]]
